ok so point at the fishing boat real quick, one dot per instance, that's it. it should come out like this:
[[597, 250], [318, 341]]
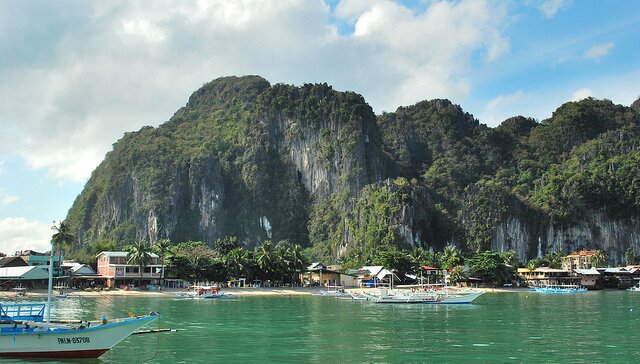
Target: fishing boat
[[332, 291], [558, 288], [26, 331], [425, 296], [202, 292]]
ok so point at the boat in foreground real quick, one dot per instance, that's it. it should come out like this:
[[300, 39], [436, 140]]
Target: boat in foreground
[[24, 334]]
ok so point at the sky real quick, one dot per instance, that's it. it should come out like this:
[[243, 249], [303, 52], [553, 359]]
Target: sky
[[76, 75]]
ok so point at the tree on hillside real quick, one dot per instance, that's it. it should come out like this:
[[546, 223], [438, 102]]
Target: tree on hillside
[[224, 245], [139, 254]]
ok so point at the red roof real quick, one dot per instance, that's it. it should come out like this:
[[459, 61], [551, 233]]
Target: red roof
[[426, 267]]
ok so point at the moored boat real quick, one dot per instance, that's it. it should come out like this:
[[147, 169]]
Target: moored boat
[[201, 292], [27, 332], [444, 296], [558, 289]]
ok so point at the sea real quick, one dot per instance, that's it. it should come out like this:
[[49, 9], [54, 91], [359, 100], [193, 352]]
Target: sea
[[525, 327]]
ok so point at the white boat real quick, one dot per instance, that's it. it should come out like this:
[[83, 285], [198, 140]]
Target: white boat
[[635, 288], [332, 291], [201, 292], [425, 296], [25, 333]]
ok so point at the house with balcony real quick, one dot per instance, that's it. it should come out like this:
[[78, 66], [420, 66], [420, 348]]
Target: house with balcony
[[578, 260], [546, 276], [115, 267]]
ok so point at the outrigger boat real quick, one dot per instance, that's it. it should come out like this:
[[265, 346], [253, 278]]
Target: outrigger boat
[[558, 288], [27, 332], [425, 296], [201, 292]]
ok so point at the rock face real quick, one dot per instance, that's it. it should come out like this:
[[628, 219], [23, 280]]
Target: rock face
[[241, 158], [316, 166]]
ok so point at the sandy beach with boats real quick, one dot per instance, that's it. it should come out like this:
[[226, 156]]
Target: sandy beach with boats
[[252, 291]]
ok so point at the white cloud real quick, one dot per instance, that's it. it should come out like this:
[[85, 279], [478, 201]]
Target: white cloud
[[551, 7], [112, 67], [19, 234], [599, 51], [503, 107], [7, 199], [581, 94]]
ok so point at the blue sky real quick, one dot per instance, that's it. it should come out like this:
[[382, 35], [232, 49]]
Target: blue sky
[[76, 75]]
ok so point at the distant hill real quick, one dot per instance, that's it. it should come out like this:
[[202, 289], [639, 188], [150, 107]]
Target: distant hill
[[318, 167]]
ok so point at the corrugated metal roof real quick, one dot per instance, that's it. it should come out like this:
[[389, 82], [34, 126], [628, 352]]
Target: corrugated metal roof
[[122, 254], [28, 272], [590, 271]]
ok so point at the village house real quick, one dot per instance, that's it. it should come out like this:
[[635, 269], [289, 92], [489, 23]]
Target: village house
[[116, 269], [545, 276], [317, 274], [578, 260]]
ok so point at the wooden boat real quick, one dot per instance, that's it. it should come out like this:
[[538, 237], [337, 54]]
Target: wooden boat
[[425, 296], [564, 288], [26, 332], [202, 292]]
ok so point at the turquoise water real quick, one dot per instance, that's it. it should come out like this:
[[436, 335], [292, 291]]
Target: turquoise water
[[594, 327]]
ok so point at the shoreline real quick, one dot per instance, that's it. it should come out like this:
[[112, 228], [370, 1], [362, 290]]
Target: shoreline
[[234, 291]]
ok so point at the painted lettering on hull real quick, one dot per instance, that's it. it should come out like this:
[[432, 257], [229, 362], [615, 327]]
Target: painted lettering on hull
[[74, 340]]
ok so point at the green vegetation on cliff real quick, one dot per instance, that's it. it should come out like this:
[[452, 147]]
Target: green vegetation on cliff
[[316, 167]]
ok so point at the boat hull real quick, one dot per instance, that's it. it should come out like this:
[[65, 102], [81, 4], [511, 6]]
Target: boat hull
[[430, 299], [90, 342]]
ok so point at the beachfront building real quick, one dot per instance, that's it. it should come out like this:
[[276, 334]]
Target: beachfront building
[[545, 276], [589, 278], [578, 260], [41, 260], [376, 276], [80, 275], [115, 268], [317, 274], [24, 276]]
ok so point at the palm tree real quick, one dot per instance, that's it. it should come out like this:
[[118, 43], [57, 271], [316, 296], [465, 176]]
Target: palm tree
[[63, 237], [265, 257], [598, 259], [451, 257], [297, 260], [162, 247], [139, 254]]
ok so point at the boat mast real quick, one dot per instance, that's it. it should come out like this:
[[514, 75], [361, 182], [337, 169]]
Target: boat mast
[[50, 284]]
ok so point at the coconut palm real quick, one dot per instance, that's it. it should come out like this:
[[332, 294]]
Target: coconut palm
[[63, 237], [451, 257], [265, 257], [140, 254], [297, 261], [598, 259], [162, 248]]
